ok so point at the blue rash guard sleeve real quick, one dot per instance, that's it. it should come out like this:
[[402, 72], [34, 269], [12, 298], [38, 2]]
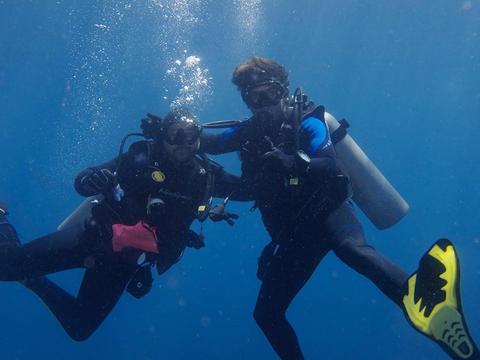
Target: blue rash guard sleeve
[[314, 136], [228, 141], [316, 142]]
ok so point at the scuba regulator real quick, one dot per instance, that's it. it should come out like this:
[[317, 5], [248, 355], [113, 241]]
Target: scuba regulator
[[290, 134]]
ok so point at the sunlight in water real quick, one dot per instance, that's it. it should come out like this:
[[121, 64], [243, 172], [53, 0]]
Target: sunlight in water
[[101, 50], [248, 19], [191, 80]]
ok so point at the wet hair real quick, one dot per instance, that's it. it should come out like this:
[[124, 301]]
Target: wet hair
[[259, 69], [180, 114]]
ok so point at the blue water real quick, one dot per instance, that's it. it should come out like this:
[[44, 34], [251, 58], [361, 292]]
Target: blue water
[[75, 76]]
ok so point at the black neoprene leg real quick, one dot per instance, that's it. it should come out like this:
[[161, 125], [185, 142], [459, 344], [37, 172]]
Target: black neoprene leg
[[55, 252], [8, 235], [102, 285], [290, 269], [101, 289], [348, 242]]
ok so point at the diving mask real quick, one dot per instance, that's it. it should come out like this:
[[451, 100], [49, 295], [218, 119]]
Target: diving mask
[[182, 134], [263, 94]]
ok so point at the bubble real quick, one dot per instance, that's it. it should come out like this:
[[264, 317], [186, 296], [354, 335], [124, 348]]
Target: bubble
[[205, 321], [193, 81], [88, 93], [249, 20], [249, 14], [152, 329], [98, 52], [189, 79], [192, 61], [467, 5], [172, 281]]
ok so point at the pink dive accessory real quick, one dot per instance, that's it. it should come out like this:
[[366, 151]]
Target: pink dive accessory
[[139, 236]]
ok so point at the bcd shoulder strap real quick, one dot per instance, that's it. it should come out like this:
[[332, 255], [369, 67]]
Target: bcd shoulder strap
[[340, 132], [204, 207]]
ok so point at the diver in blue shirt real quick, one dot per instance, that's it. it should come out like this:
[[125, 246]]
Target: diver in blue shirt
[[290, 164]]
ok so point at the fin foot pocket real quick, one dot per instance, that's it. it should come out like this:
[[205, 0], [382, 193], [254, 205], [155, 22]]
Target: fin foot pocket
[[447, 326], [432, 302]]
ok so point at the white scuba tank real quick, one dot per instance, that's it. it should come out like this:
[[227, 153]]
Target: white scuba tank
[[81, 213], [372, 192]]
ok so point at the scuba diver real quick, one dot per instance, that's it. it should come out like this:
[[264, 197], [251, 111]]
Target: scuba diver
[[291, 163], [139, 215]]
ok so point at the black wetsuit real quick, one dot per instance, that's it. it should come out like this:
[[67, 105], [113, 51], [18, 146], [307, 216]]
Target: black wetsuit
[[305, 222], [89, 246]]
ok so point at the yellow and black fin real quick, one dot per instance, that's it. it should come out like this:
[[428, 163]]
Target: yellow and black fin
[[432, 302]]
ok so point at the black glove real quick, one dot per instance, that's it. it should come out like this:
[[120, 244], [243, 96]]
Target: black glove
[[276, 158], [99, 181], [218, 213], [151, 126], [195, 240]]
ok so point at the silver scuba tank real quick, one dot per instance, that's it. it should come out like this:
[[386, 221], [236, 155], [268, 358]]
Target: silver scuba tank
[[372, 192], [81, 213]]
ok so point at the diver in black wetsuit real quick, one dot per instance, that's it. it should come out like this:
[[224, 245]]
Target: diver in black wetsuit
[[165, 188], [289, 163]]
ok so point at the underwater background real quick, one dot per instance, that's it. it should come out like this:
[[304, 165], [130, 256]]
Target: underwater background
[[75, 76]]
